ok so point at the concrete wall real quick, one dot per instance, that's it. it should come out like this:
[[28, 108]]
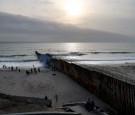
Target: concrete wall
[[116, 93]]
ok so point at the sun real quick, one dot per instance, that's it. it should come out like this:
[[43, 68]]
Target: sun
[[73, 7]]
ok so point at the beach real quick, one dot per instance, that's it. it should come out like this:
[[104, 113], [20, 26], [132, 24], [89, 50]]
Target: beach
[[8, 106], [123, 72], [45, 83]]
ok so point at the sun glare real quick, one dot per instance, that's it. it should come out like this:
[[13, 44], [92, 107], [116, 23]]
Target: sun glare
[[72, 47], [73, 8]]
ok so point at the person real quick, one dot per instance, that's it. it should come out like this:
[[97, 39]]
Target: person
[[12, 68], [38, 69], [54, 68], [89, 105], [35, 70], [9, 68], [16, 68], [31, 70], [92, 105], [46, 97], [56, 97], [27, 72]]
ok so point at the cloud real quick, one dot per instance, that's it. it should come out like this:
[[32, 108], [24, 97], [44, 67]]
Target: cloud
[[15, 28], [40, 2], [47, 1], [116, 16]]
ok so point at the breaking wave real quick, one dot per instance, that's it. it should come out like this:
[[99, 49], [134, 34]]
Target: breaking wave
[[99, 60], [21, 55], [69, 54], [111, 52], [86, 53], [18, 60]]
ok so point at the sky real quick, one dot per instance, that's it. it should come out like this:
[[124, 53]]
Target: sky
[[114, 18]]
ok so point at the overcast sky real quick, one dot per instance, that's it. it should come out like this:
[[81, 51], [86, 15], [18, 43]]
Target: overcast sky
[[81, 16]]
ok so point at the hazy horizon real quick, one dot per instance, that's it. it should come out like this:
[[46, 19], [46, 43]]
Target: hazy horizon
[[67, 21]]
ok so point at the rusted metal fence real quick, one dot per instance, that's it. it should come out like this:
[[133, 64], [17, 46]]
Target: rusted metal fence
[[117, 93]]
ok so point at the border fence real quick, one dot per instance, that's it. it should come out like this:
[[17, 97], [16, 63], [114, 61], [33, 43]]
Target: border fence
[[117, 93]]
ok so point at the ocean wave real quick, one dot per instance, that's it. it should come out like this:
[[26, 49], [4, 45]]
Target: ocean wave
[[111, 52], [86, 53], [7, 56], [69, 54], [99, 60], [18, 60]]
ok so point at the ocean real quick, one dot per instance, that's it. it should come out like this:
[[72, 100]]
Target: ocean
[[23, 54]]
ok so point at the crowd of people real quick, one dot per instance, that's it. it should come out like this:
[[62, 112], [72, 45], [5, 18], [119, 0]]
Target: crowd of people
[[89, 105], [32, 70], [11, 68]]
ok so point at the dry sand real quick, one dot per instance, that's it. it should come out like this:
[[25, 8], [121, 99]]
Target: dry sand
[[44, 84], [124, 72], [8, 106]]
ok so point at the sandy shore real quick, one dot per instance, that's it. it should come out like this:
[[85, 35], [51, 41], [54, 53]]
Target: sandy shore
[[8, 106], [45, 83], [124, 72]]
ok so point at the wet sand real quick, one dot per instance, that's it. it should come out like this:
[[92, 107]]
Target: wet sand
[[45, 83]]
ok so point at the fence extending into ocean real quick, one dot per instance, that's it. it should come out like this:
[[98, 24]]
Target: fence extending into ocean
[[115, 92]]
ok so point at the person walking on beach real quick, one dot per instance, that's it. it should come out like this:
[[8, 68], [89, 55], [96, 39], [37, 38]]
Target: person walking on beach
[[38, 69], [35, 70], [16, 68], [56, 97], [46, 97], [31, 70], [12, 68]]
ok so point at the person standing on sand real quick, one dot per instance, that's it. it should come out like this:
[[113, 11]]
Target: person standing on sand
[[46, 97], [56, 97], [35, 70], [16, 68], [12, 68], [38, 69], [31, 70]]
